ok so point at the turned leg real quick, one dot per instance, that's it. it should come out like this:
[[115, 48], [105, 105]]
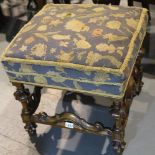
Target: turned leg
[[120, 111], [29, 103], [118, 128]]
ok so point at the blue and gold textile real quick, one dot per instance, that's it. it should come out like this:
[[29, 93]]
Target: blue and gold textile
[[87, 48]]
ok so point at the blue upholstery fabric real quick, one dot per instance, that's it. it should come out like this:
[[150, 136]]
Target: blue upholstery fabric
[[87, 48]]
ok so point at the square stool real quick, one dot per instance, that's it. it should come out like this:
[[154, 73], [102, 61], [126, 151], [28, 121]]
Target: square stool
[[85, 48]]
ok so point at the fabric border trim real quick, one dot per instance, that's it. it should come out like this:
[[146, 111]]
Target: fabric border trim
[[75, 90], [51, 76]]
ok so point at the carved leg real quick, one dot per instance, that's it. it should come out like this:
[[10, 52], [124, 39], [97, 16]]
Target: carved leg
[[29, 103], [118, 128], [120, 112]]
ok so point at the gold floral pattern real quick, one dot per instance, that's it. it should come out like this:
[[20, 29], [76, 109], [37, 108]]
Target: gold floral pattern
[[101, 77], [113, 7], [28, 27], [105, 47], [111, 37], [65, 15], [81, 55], [97, 32], [23, 48], [113, 25], [40, 79], [26, 68], [29, 40], [41, 36], [118, 15], [63, 43], [65, 56], [39, 50], [42, 28], [99, 9], [82, 44], [76, 25], [61, 37], [46, 20], [55, 22], [93, 57], [52, 50], [132, 22]]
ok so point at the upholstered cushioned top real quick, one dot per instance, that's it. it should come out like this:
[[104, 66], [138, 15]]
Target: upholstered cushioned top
[[86, 37]]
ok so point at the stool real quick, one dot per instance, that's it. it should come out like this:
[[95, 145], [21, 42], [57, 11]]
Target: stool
[[82, 48]]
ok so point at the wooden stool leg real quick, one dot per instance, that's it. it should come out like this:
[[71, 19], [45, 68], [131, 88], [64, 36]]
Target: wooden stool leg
[[29, 103], [120, 112], [119, 128]]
